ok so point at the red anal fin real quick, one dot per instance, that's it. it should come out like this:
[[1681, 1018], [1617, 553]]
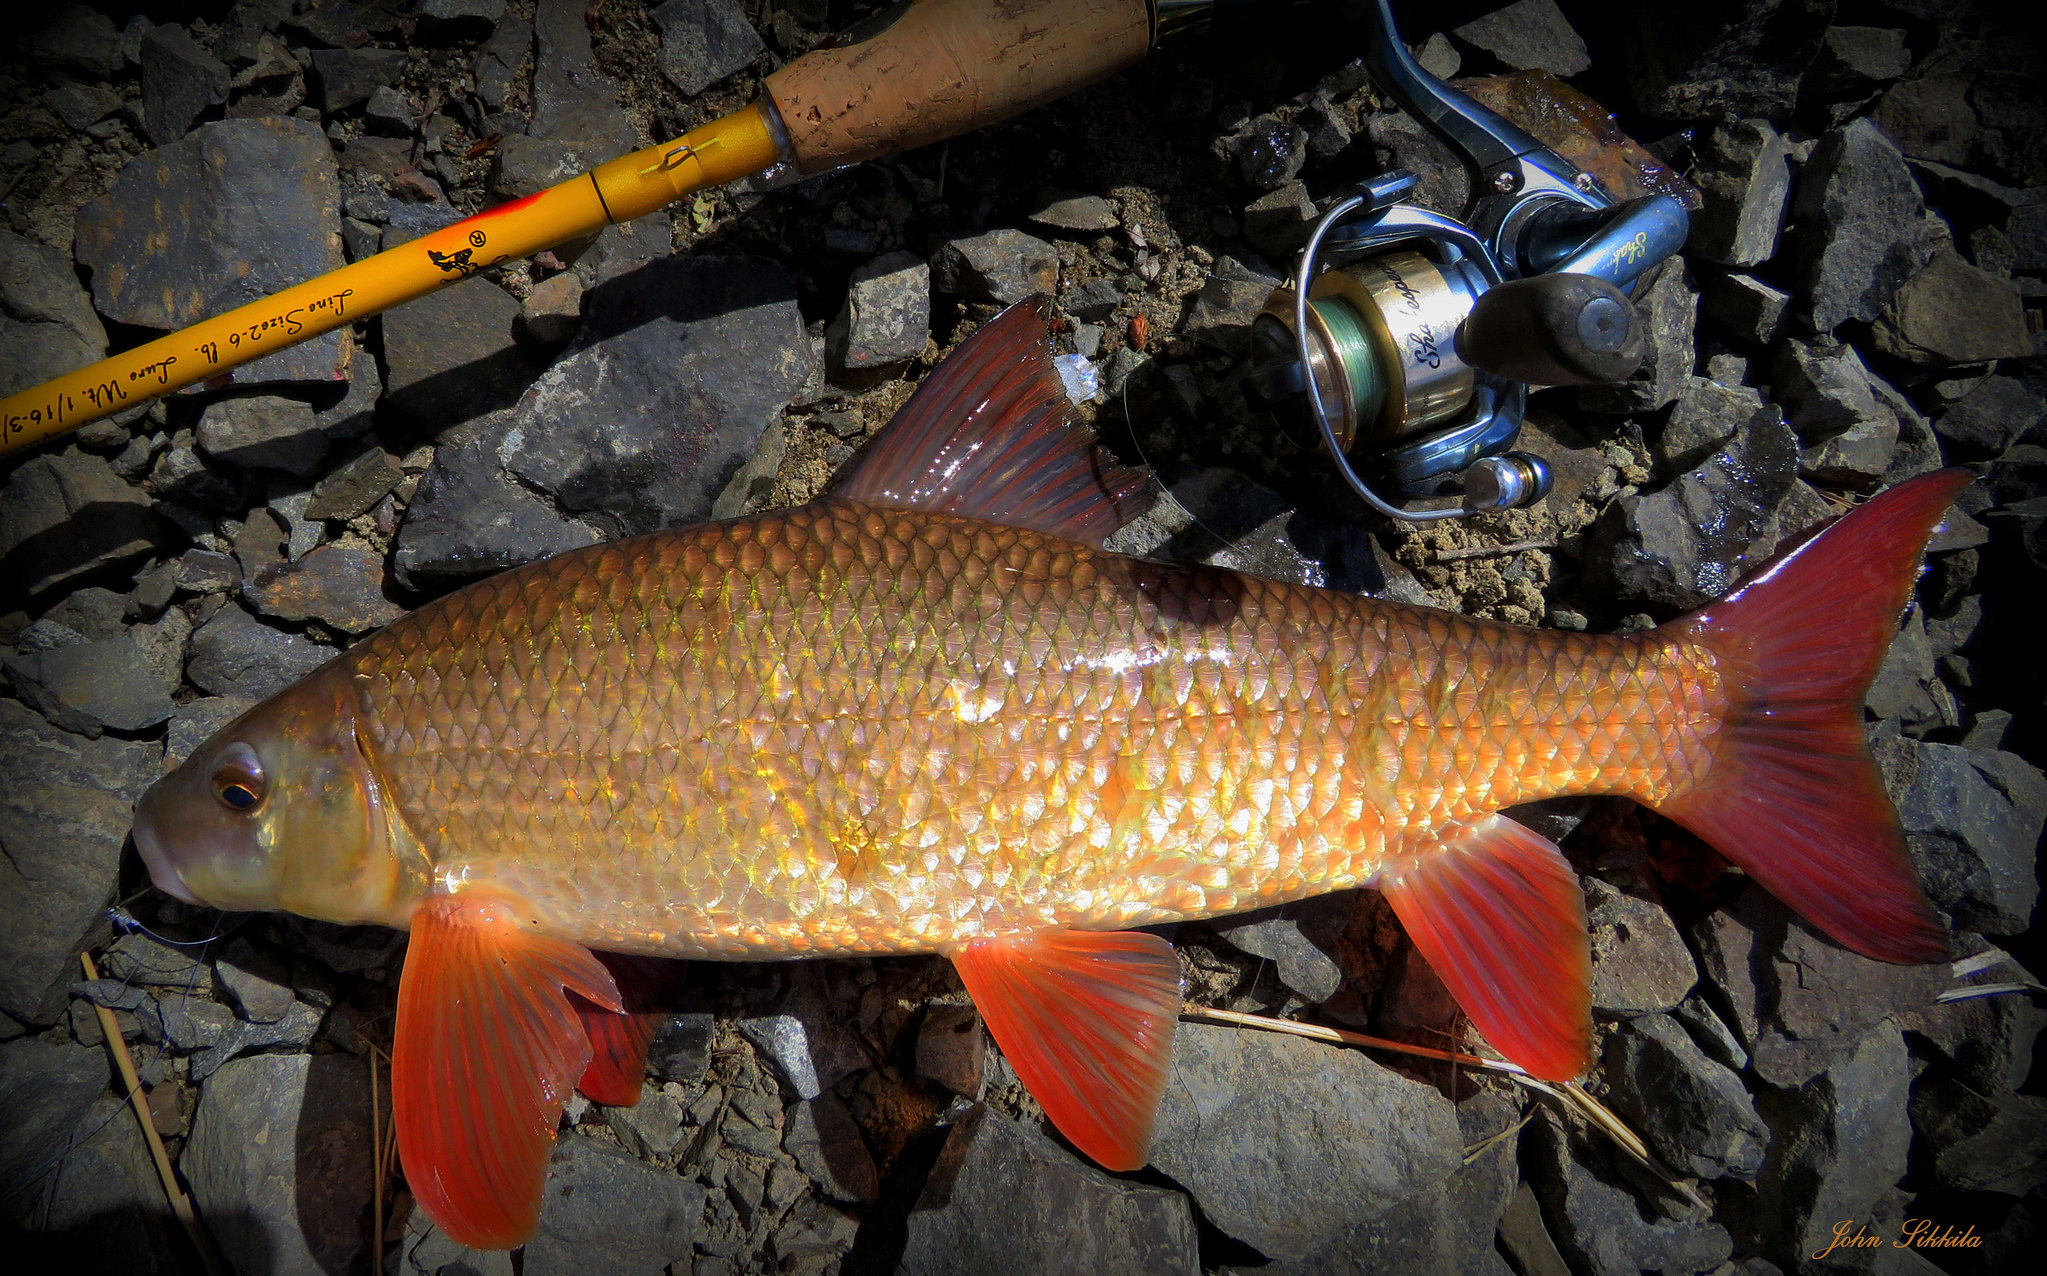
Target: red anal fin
[[1500, 915], [1793, 796], [618, 1042], [990, 434], [1086, 1018], [486, 1049]]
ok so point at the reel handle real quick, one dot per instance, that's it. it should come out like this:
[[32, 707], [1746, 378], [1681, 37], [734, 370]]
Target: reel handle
[[1553, 330]]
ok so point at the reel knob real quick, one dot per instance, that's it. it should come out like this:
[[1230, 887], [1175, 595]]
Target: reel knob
[[1504, 482], [1554, 330]]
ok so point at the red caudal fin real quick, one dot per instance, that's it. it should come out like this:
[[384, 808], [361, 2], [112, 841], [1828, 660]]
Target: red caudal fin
[[1793, 796], [487, 1046], [618, 1042], [1086, 1018], [1500, 915]]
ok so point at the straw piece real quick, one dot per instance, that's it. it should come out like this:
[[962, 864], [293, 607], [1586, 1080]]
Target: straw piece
[[1317, 1032], [181, 1205]]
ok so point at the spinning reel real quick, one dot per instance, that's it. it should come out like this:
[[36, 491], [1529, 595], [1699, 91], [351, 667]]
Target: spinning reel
[[1409, 339]]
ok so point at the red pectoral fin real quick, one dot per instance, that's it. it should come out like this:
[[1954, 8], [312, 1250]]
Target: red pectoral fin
[[618, 1042], [486, 1049], [1500, 915], [1086, 1018]]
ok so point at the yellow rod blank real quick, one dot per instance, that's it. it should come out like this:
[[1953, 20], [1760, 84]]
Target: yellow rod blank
[[625, 188]]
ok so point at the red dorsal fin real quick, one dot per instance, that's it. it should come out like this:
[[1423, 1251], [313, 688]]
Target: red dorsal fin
[[1500, 915], [486, 1049], [618, 1043], [991, 435], [1086, 1018]]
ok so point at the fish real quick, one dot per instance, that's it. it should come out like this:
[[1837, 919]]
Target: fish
[[931, 713]]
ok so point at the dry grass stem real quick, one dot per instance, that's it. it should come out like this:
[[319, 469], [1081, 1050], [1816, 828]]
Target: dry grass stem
[[1490, 551], [1971, 991], [1317, 1032], [376, 1172]]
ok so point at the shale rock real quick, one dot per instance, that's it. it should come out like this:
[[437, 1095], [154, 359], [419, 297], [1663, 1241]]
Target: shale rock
[[1950, 312], [234, 654], [341, 586], [1859, 233], [104, 1209], [64, 813], [1085, 214], [347, 77], [231, 213], [469, 518], [74, 38], [887, 315], [279, 1162], [356, 487], [1972, 820], [1229, 300], [1232, 1132], [499, 61], [263, 432], [1693, 1111], [46, 1091], [91, 686], [1400, 141], [1001, 265], [1705, 416], [1991, 417], [573, 103], [952, 1050], [1528, 35], [1746, 307], [806, 1037], [1818, 1002], [452, 355], [179, 81], [1987, 1041], [1297, 939], [821, 1136], [703, 41], [1003, 1197], [1721, 57], [66, 515], [1840, 1147], [1745, 177], [47, 325], [451, 20], [1591, 1205], [553, 311], [1639, 962], [607, 1212], [1979, 1143], [1669, 309]]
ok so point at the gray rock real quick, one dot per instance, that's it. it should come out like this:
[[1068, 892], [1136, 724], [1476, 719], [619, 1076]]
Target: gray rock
[[1972, 820], [1827, 390], [1991, 417], [605, 1212], [1669, 309], [347, 77], [1744, 306], [887, 314], [1094, 300], [500, 61], [179, 80], [651, 1128], [1639, 962], [681, 1050], [468, 518], [81, 105], [140, 959], [1001, 265], [1858, 457], [74, 38], [808, 1044], [1229, 300], [279, 1162], [1528, 35], [1231, 1132], [703, 41], [553, 311], [356, 487], [410, 220], [451, 355], [1840, 1147], [263, 431], [92, 686], [1064, 210], [1745, 176], [1710, 1032], [1400, 141], [1526, 1241], [1854, 62], [1693, 1111], [1278, 221], [46, 1090], [234, 654], [341, 586], [196, 721], [105, 1206], [573, 103], [1978, 1143], [1907, 687], [1859, 231], [1005, 1198], [1818, 1001], [258, 982], [952, 1050], [1721, 57], [1950, 312], [388, 112], [822, 1137], [66, 515], [523, 165], [1987, 1041], [1266, 152], [454, 20], [231, 213], [64, 814], [1298, 939], [1590, 1201], [47, 325], [1705, 416], [201, 571], [271, 84], [1690, 542]]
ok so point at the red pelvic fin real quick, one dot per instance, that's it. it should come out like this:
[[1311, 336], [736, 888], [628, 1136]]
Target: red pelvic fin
[[1793, 796], [486, 1049], [990, 434], [618, 1042], [1086, 1018], [1500, 916]]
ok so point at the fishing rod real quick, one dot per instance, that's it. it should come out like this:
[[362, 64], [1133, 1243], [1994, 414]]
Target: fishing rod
[[912, 76]]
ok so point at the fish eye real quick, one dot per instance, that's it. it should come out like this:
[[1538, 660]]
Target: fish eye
[[238, 778]]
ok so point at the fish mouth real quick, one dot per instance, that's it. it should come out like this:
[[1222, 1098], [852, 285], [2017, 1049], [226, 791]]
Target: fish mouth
[[161, 869]]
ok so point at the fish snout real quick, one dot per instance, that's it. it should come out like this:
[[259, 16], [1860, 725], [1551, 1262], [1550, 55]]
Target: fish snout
[[163, 870]]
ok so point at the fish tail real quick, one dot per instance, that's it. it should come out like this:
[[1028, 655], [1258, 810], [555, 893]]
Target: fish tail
[[1793, 795]]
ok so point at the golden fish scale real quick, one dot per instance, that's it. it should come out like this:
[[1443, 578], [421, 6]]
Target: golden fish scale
[[837, 729]]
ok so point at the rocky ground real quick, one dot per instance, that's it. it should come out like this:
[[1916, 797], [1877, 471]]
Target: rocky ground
[[1859, 303]]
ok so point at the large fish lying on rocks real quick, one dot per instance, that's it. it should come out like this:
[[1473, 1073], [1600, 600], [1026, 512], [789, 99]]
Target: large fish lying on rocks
[[930, 714]]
